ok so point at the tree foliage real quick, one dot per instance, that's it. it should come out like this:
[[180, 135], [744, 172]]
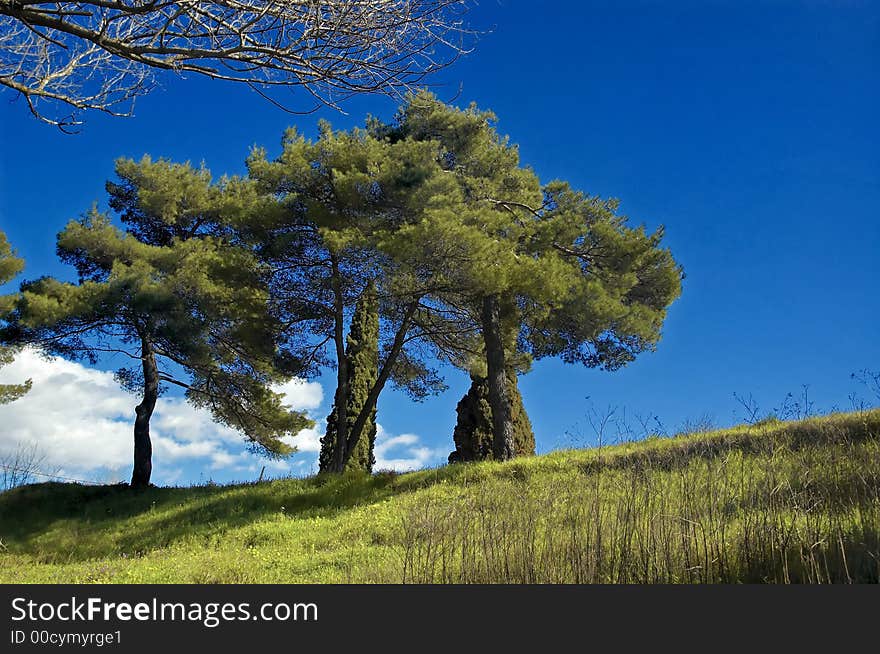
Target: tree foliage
[[334, 215], [475, 262], [10, 266], [385, 251]]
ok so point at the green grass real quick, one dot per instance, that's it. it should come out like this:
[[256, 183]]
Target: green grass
[[778, 502]]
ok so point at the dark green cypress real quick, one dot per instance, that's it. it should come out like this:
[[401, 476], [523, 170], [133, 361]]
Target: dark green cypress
[[473, 433], [362, 352]]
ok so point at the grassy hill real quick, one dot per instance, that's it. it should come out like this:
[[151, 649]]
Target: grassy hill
[[778, 502]]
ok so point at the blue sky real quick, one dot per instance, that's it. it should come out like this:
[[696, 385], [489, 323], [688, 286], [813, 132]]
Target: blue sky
[[748, 129]]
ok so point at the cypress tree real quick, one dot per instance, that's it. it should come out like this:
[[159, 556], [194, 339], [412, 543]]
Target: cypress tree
[[473, 433], [362, 354]]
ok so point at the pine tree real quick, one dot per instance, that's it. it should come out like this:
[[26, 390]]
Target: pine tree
[[473, 433], [362, 356], [10, 266], [553, 273], [190, 310]]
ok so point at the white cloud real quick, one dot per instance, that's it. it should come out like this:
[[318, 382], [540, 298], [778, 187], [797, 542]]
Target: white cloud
[[81, 420], [301, 395], [308, 440], [403, 452]]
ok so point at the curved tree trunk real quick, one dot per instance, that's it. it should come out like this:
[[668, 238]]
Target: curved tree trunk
[[502, 424], [143, 447]]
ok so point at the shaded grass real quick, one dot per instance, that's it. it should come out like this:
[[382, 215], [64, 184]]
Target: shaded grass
[[782, 502]]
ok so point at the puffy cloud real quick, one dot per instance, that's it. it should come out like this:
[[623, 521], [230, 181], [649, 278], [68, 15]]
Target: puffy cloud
[[404, 452], [400, 453], [308, 440], [302, 395]]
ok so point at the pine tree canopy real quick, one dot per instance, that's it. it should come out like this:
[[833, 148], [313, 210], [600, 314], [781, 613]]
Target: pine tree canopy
[[580, 282], [351, 211], [439, 213]]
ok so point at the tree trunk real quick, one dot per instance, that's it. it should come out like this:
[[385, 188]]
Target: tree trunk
[[502, 424], [143, 448], [340, 403]]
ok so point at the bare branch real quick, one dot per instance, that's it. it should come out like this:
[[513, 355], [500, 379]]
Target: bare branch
[[100, 55]]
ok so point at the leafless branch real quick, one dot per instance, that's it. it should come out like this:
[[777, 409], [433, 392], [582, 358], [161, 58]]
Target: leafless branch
[[65, 58]]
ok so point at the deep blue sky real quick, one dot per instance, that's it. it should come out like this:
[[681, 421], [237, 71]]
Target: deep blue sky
[[750, 130]]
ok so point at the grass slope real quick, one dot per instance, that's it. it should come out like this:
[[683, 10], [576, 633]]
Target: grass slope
[[777, 502]]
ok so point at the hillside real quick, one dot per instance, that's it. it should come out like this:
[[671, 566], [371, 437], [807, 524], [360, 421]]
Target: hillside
[[778, 502]]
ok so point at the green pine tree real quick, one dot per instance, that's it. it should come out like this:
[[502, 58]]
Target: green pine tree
[[191, 314], [473, 433], [551, 272], [362, 354]]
